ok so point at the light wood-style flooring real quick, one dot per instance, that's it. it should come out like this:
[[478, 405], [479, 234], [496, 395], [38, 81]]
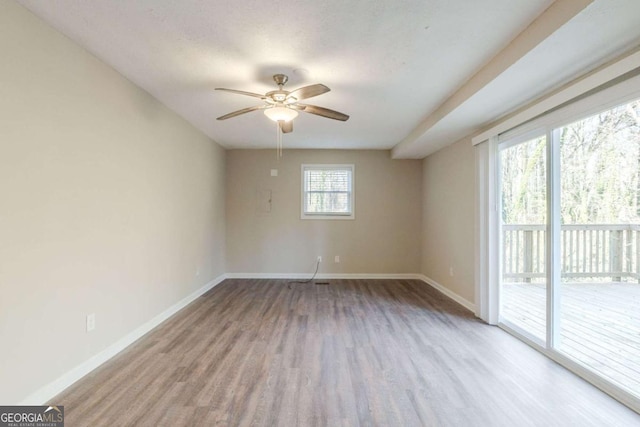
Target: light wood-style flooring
[[353, 353], [599, 324]]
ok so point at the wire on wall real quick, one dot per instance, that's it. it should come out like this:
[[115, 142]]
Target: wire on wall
[[290, 282]]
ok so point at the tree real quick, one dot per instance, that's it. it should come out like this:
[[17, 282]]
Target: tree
[[600, 172]]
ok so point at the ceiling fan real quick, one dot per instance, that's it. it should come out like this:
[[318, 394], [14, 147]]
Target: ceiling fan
[[282, 106]]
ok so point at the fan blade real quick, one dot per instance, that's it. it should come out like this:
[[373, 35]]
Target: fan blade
[[308, 91], [286, 127], [243, 111], [241, 92], [324, 112]]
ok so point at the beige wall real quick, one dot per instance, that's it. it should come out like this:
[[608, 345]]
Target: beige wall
[[384, 237], [109, 204], [448, 183]]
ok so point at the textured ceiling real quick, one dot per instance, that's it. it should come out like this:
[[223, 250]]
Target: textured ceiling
[[390, 65]]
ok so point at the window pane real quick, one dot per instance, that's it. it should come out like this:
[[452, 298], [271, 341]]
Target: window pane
[[327, 190], [328, 180], [328, 202], [600, 244], [523, 291]]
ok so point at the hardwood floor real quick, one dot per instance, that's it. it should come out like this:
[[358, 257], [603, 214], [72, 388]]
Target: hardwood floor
[[599, 324], [354, 353]]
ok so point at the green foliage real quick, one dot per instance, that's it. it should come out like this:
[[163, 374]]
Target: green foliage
[[600, 172], [600, 158], [523, 168]]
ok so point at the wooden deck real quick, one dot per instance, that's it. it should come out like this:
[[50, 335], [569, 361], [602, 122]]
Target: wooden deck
[[600, 324]]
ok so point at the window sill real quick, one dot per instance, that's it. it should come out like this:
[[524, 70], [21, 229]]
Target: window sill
[[329, 217]]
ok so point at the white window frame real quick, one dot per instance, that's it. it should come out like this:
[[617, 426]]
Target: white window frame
[[326, 215]]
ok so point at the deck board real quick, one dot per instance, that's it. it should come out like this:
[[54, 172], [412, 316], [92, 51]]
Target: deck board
[[599, 324]]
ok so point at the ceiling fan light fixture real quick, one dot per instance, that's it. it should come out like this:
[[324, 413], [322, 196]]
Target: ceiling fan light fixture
[[280, 113]]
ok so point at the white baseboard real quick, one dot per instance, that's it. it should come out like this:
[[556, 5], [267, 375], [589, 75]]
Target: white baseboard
[[448, 292], [322, 276], [55, 387]]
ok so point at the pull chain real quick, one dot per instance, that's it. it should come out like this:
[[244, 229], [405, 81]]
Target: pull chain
[[279, 140]]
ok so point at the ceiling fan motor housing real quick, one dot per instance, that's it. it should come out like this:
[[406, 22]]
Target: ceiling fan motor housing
[[280, 79]]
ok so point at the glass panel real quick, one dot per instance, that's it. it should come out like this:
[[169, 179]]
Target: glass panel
[[328, 202], [328, 190], [523, 295], [600, 245]]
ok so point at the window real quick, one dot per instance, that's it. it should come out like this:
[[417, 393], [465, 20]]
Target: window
[[327, 192]]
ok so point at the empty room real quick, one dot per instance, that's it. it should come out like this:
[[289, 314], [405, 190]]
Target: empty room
[[320, 213]]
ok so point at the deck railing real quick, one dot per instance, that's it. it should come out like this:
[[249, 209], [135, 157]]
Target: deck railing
[[587, 251]]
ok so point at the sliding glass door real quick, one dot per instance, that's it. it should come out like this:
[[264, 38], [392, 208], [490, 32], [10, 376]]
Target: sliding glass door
[[600, 211], [523, 182], [570, 243]]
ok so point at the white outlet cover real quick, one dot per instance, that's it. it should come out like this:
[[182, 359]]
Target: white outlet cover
[[91, 322], [274, 172]]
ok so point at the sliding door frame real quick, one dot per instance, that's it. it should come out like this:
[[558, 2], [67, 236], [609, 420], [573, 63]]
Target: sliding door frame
[[554, 264], [504, 144]]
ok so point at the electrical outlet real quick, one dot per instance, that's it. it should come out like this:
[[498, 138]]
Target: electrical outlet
[[451, 271], [197, 271], [319, 258], [91, 322], [274, 172], [337, 258]]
